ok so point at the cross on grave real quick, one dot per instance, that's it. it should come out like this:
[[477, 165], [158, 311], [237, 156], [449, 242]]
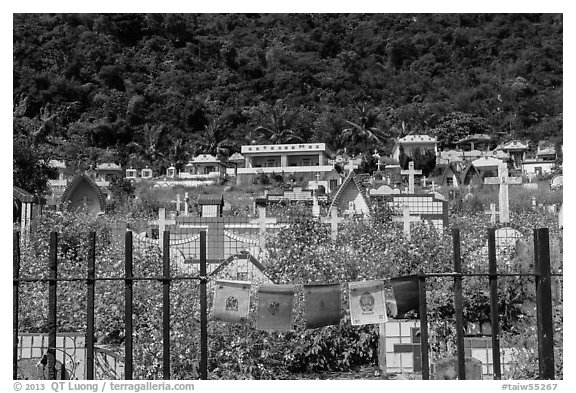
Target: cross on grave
[[351, 211], [413, 347], [263, 220], [406, 219], [433, 186], [178, 204], [503, 180], [334, 220], [185, 203], [332, 162], [424, 180], [315, 206], [493, 212], [350, 166], [531, 176], [411, 172], [162, 222]]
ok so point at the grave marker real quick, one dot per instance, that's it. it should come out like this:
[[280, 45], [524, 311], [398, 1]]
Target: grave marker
[[334, 220], [411, 172], [406, 219], [185, 203], [503, 181], [350, 166], [178, 204], [162, 223], [493, 213], [262, 220]]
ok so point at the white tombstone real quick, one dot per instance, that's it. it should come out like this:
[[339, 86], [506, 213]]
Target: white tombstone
[[162, 222], [333, 220], [407, 219], [503, 181], [262, 220], [411, 172]]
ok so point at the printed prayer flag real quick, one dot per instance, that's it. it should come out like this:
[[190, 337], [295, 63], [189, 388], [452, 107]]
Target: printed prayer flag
[[275, 307], [322, 305], [406, 294], [367, 304], [231, 301]]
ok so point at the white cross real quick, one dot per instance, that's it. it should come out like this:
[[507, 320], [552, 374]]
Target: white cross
[[332, 162], [315, 206], [406, 219], [531, 176], [178, 203], [162, 222], [334, 220], [263, 220], [433, 186], [424, 180], [469, 188], [185, 203], [350, 166], [493, 213], [411, 172], [503, 180], [378, 163], [351, 210]]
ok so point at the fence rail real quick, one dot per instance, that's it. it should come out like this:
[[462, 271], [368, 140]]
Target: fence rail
[[542, 275], [91, 280]]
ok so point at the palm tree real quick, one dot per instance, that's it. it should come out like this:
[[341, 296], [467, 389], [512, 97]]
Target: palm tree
[[214, 140], [364, 132], [278, 124], [149, 149]]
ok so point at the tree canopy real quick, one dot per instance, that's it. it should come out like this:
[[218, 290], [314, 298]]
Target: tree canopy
[[169, 85]]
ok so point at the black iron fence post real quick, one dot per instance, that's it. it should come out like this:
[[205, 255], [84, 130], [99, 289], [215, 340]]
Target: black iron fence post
[[16, 299], [90, 289], [166, 305], [203, 310], [544, 303], [494, 309], [128, 281], [423, 311], [52, 286], [458, 305]]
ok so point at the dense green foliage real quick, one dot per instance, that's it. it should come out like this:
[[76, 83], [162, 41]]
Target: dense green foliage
[[301, 253], [155, 89]]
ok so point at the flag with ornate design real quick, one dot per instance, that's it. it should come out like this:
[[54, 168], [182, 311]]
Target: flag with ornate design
[[231, 301], [367, 302], [275, 304]]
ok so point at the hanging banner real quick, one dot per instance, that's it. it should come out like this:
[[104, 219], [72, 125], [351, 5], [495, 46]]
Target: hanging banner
[[275, 304], [367, 302], [406, 294], [322, 305], [231, 301]]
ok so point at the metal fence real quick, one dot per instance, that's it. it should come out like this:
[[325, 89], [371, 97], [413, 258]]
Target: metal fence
[[218, 250]]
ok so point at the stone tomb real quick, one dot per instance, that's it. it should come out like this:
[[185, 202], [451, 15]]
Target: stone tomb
[[429, 207], [403, 353]]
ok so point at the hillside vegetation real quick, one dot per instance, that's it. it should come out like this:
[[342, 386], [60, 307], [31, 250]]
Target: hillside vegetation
[[156, 89]]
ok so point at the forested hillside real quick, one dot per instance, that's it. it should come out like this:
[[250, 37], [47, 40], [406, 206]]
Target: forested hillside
[[156, 89]]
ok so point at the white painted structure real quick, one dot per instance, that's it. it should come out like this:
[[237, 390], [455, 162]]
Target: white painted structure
[[288, 158], [412, 142]]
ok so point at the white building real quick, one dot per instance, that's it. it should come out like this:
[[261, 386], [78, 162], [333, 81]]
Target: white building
[[412, 142], [288, 158]]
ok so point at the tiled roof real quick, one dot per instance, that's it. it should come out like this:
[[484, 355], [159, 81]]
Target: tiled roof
[[417, 138], [204, 158], [109, 166]]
